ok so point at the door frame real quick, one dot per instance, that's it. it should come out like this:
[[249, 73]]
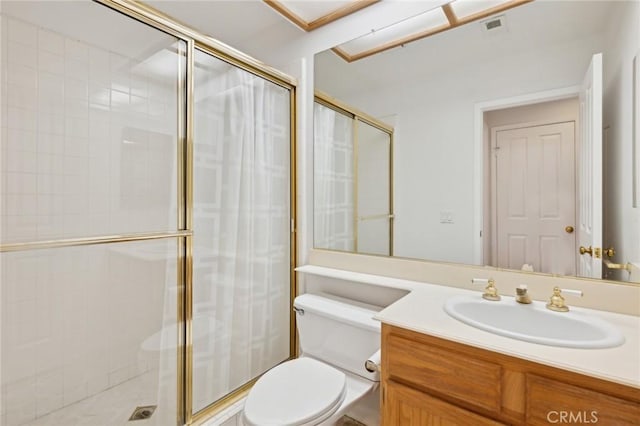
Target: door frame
[[480, 149]]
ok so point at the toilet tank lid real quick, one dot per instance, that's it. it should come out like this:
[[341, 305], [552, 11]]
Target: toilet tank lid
[[340, 309]]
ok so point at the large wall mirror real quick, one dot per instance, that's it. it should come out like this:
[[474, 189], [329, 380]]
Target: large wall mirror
[[496, 135]]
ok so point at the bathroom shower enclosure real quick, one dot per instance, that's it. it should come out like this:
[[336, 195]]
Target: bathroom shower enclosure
[[146, 236], [353, 179]]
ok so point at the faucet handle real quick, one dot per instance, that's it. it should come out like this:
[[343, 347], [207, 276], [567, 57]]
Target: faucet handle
[[556, 302], [490, 291], [578, 293]]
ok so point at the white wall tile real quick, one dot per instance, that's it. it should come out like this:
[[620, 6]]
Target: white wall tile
[[76, 70], [49, 392], [20, 140], [50, 42], [22, 75], [74, 380], [22, 97], [50, 62], [76, 166], [22, 358], [21, 161], [21, 183], [49, 143], [22, 32], [20, 406], [20, 54], [76, 50], [77, 108], [51, 123], [21, 119], [99, 69], [18, 204], [19, 228], [76, 88]]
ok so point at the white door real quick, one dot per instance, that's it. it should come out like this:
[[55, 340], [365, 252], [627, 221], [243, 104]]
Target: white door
[[590, 172], [535, 198]]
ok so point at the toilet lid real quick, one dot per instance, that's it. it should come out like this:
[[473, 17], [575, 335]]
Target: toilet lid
[[294, 393]]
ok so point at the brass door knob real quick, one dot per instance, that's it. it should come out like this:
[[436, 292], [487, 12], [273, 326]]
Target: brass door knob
[[584, 250], [610, 252], [568, 229]]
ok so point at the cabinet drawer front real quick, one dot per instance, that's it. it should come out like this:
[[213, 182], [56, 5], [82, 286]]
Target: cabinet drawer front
[[404, 406], [550, 401], [472, 381]]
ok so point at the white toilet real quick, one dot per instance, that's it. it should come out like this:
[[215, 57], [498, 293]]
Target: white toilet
[[337, 336]]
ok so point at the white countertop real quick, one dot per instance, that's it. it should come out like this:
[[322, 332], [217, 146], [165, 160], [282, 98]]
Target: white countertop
[[422, 310]]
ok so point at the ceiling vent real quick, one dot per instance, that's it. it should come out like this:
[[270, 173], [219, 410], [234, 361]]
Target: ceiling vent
[[494, 24]]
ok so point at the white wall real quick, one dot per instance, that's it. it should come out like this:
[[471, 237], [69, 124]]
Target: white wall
[[434, 139], [621, 221]]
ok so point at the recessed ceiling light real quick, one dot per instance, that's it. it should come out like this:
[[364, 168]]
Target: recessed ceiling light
[[465, 8], [450, 15], [425, 22], [310, 15]]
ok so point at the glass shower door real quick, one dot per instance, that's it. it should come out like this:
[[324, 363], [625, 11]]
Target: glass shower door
[[373, 190], [89, 139], [241, 224], [334, 180]]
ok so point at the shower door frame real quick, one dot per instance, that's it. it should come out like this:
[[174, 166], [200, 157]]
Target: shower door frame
[[195, 39], [184, 232], [358, 116]]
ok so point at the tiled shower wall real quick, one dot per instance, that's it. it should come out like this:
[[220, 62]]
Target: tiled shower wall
[[88, 148], [79, 320], [87, 139]]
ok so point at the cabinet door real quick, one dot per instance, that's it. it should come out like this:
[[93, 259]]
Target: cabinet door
[[550, 401], [409, 407]]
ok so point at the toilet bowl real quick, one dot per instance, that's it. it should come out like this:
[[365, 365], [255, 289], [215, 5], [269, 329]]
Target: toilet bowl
[[336, 337], [312, 392]]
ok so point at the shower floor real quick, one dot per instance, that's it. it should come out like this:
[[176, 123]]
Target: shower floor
[[112, 407]]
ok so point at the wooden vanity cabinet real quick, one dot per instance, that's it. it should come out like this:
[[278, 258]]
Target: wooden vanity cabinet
[[431, 381]]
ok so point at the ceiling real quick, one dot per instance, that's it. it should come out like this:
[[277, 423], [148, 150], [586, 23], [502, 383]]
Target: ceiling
[[450, 15], [531, 26], [311, 15], [236, 23], [257, 29]]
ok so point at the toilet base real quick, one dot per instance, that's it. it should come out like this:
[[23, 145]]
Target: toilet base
[[357, 388]]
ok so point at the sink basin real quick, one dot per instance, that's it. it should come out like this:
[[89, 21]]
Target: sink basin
[[534, 323]]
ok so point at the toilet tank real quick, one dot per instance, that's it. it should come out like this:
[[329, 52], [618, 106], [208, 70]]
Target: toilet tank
[[338, 331]]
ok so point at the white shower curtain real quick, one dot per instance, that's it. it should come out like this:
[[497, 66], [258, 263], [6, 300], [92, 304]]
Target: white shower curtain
[[241, 227], [333, 221]]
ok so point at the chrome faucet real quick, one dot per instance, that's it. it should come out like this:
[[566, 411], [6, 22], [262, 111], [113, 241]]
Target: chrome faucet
[[490, 291]]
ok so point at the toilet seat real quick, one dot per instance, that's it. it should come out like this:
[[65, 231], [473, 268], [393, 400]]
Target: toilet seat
[[298, 392]]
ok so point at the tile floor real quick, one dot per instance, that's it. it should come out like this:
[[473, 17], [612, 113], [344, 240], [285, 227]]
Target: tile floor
[[111, 407], [114, 406]]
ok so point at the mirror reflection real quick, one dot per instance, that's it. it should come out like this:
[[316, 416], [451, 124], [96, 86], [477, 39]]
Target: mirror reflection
[[352, 180], [512, 146]]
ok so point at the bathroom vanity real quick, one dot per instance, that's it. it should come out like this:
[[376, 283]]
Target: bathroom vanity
[[433, 381], [438, 370]]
